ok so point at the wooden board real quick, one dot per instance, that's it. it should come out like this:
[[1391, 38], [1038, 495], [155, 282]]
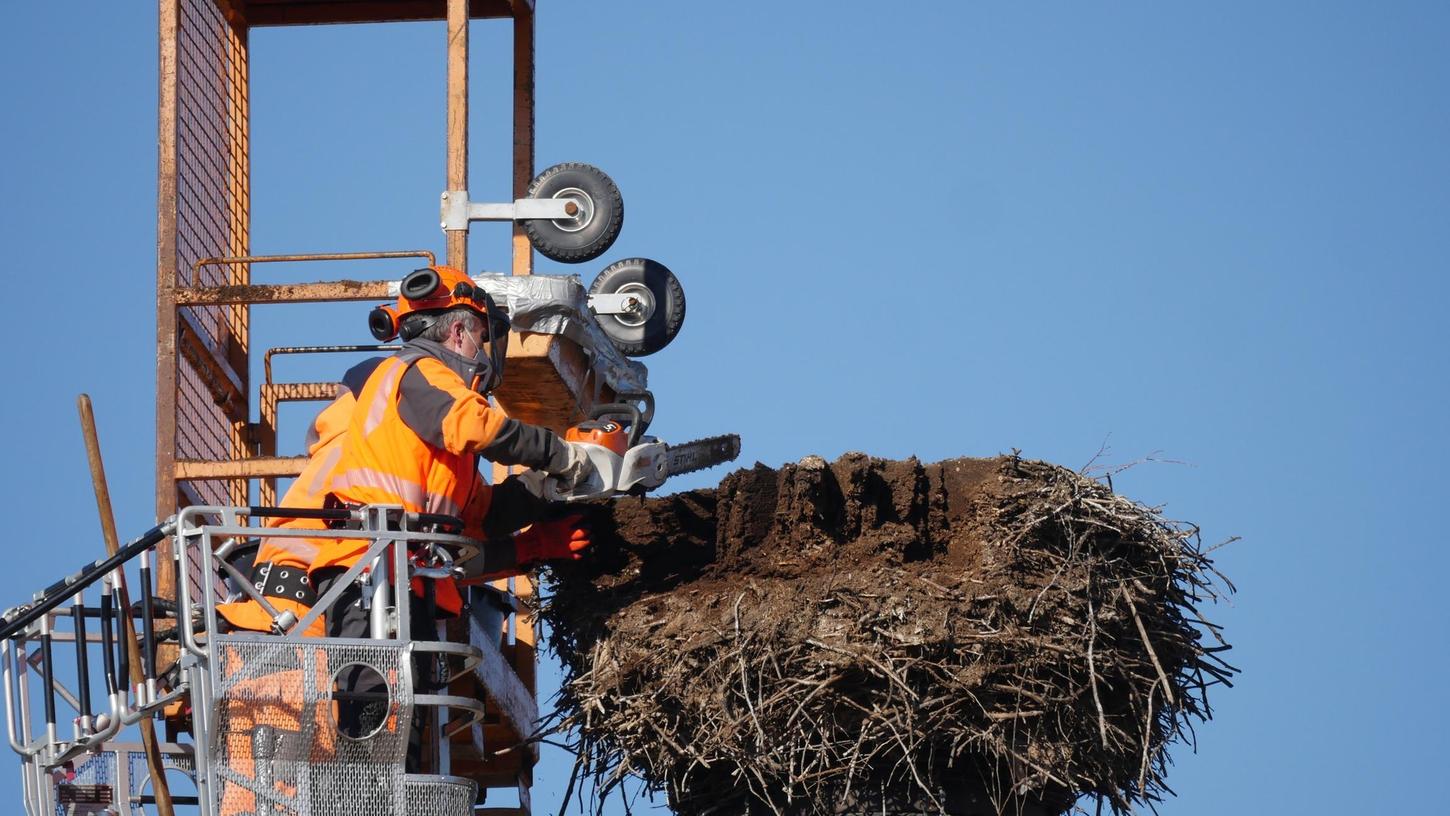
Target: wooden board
[[546, 381]]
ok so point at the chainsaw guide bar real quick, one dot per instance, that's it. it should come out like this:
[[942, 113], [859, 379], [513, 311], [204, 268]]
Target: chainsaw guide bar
[[701, 453]]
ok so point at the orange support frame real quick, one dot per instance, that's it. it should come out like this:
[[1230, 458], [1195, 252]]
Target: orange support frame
[[207, 448]]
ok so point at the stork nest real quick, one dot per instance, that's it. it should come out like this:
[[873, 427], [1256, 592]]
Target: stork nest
[[975, 636]]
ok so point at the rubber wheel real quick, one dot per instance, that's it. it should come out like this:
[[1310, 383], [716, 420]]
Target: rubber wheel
[[590, 233], [663, 300]]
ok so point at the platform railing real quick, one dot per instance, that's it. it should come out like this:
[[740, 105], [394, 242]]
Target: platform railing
[[221, 676], [46, 649]]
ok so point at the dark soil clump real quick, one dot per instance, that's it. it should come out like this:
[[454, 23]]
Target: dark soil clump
[[975, 636]]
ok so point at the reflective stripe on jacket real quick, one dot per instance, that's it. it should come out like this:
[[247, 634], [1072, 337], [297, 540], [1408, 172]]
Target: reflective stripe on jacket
[[415, 438], [309, 490]]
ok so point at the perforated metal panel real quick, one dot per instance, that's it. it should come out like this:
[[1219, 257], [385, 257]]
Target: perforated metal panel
[[212, 220], [87, 790], [440, 795], [281, 746], [138, 777]]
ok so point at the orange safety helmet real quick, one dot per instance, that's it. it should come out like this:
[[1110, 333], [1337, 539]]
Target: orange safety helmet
[[429, 292]]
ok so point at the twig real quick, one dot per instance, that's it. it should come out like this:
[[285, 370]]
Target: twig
[[1148, 644], [744, 679], [1093, 671]]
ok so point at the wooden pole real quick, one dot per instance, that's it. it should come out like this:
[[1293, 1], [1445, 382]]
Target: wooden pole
[[458, 122], [523, 251], [166, 327], [522, 655], [128, 626]]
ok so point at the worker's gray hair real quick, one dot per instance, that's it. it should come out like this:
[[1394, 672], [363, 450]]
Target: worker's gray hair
[[443, 324]]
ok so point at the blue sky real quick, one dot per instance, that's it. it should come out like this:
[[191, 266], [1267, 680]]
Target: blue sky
[[1217, 232]]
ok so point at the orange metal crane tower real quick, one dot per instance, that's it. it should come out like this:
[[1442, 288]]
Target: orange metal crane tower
[[209, 449]]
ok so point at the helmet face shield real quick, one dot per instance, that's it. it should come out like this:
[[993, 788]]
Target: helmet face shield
[[498, 319], [496, 335]]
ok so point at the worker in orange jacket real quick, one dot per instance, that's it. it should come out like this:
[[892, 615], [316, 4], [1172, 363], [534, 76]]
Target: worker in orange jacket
[[279, 570], [282, 565], [422, 422]]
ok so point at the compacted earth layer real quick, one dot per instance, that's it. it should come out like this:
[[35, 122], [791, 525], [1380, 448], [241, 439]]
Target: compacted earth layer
[[973, 636]]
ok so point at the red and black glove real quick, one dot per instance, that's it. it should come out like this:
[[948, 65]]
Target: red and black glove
[[562, 540]]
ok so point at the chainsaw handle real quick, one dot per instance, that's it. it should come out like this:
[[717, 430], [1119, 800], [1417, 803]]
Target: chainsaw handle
[[638, 421], [599, 484], [646, 397]]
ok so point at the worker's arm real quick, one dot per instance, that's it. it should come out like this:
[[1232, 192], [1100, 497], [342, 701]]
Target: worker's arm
[[512, 507], [499, 554], [445, 413], [548, 542], [495, 514]]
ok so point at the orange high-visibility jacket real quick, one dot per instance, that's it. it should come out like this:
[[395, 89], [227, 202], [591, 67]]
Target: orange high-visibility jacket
[[308, 490], [415, 438]]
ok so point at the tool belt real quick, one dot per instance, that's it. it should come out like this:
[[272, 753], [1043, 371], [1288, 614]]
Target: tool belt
[[284, 581]]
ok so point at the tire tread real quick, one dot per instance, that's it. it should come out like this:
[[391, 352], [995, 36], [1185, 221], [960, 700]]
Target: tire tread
[[541, 241]]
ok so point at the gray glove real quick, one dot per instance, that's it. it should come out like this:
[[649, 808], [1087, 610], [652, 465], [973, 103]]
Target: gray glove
[[570, 465]]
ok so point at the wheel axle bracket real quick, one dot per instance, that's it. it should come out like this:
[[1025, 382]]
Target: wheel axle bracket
[[456, 211]]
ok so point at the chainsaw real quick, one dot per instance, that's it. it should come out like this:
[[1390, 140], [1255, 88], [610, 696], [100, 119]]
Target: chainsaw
[[626, 462]]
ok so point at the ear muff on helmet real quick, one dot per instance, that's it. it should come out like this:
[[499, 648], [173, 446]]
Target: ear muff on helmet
[[424, 294], [383, 323], [420, 284]]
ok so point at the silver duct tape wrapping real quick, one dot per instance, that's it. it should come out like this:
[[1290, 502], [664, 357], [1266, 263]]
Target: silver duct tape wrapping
[[559, 304]]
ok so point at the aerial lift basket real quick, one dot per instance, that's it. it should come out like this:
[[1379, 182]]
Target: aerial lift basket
[[281, 724]]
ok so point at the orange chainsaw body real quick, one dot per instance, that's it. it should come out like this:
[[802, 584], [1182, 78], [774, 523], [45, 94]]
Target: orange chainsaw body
[[602, 432]]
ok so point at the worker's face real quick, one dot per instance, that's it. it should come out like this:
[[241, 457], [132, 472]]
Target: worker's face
[[475, 344], [500, 340], [467, 342], [478, 338]]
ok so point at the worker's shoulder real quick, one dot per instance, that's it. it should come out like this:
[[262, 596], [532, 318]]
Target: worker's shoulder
[[433, 367], [356, 377], [432, 374], [429, 393]]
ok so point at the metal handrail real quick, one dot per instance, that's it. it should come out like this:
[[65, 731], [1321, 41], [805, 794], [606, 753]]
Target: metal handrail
[[316, 256], [356, 347], [377, 525], [17, 619]]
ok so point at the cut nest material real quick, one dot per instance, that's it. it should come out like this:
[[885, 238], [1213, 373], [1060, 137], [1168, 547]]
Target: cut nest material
[[972, 636]]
